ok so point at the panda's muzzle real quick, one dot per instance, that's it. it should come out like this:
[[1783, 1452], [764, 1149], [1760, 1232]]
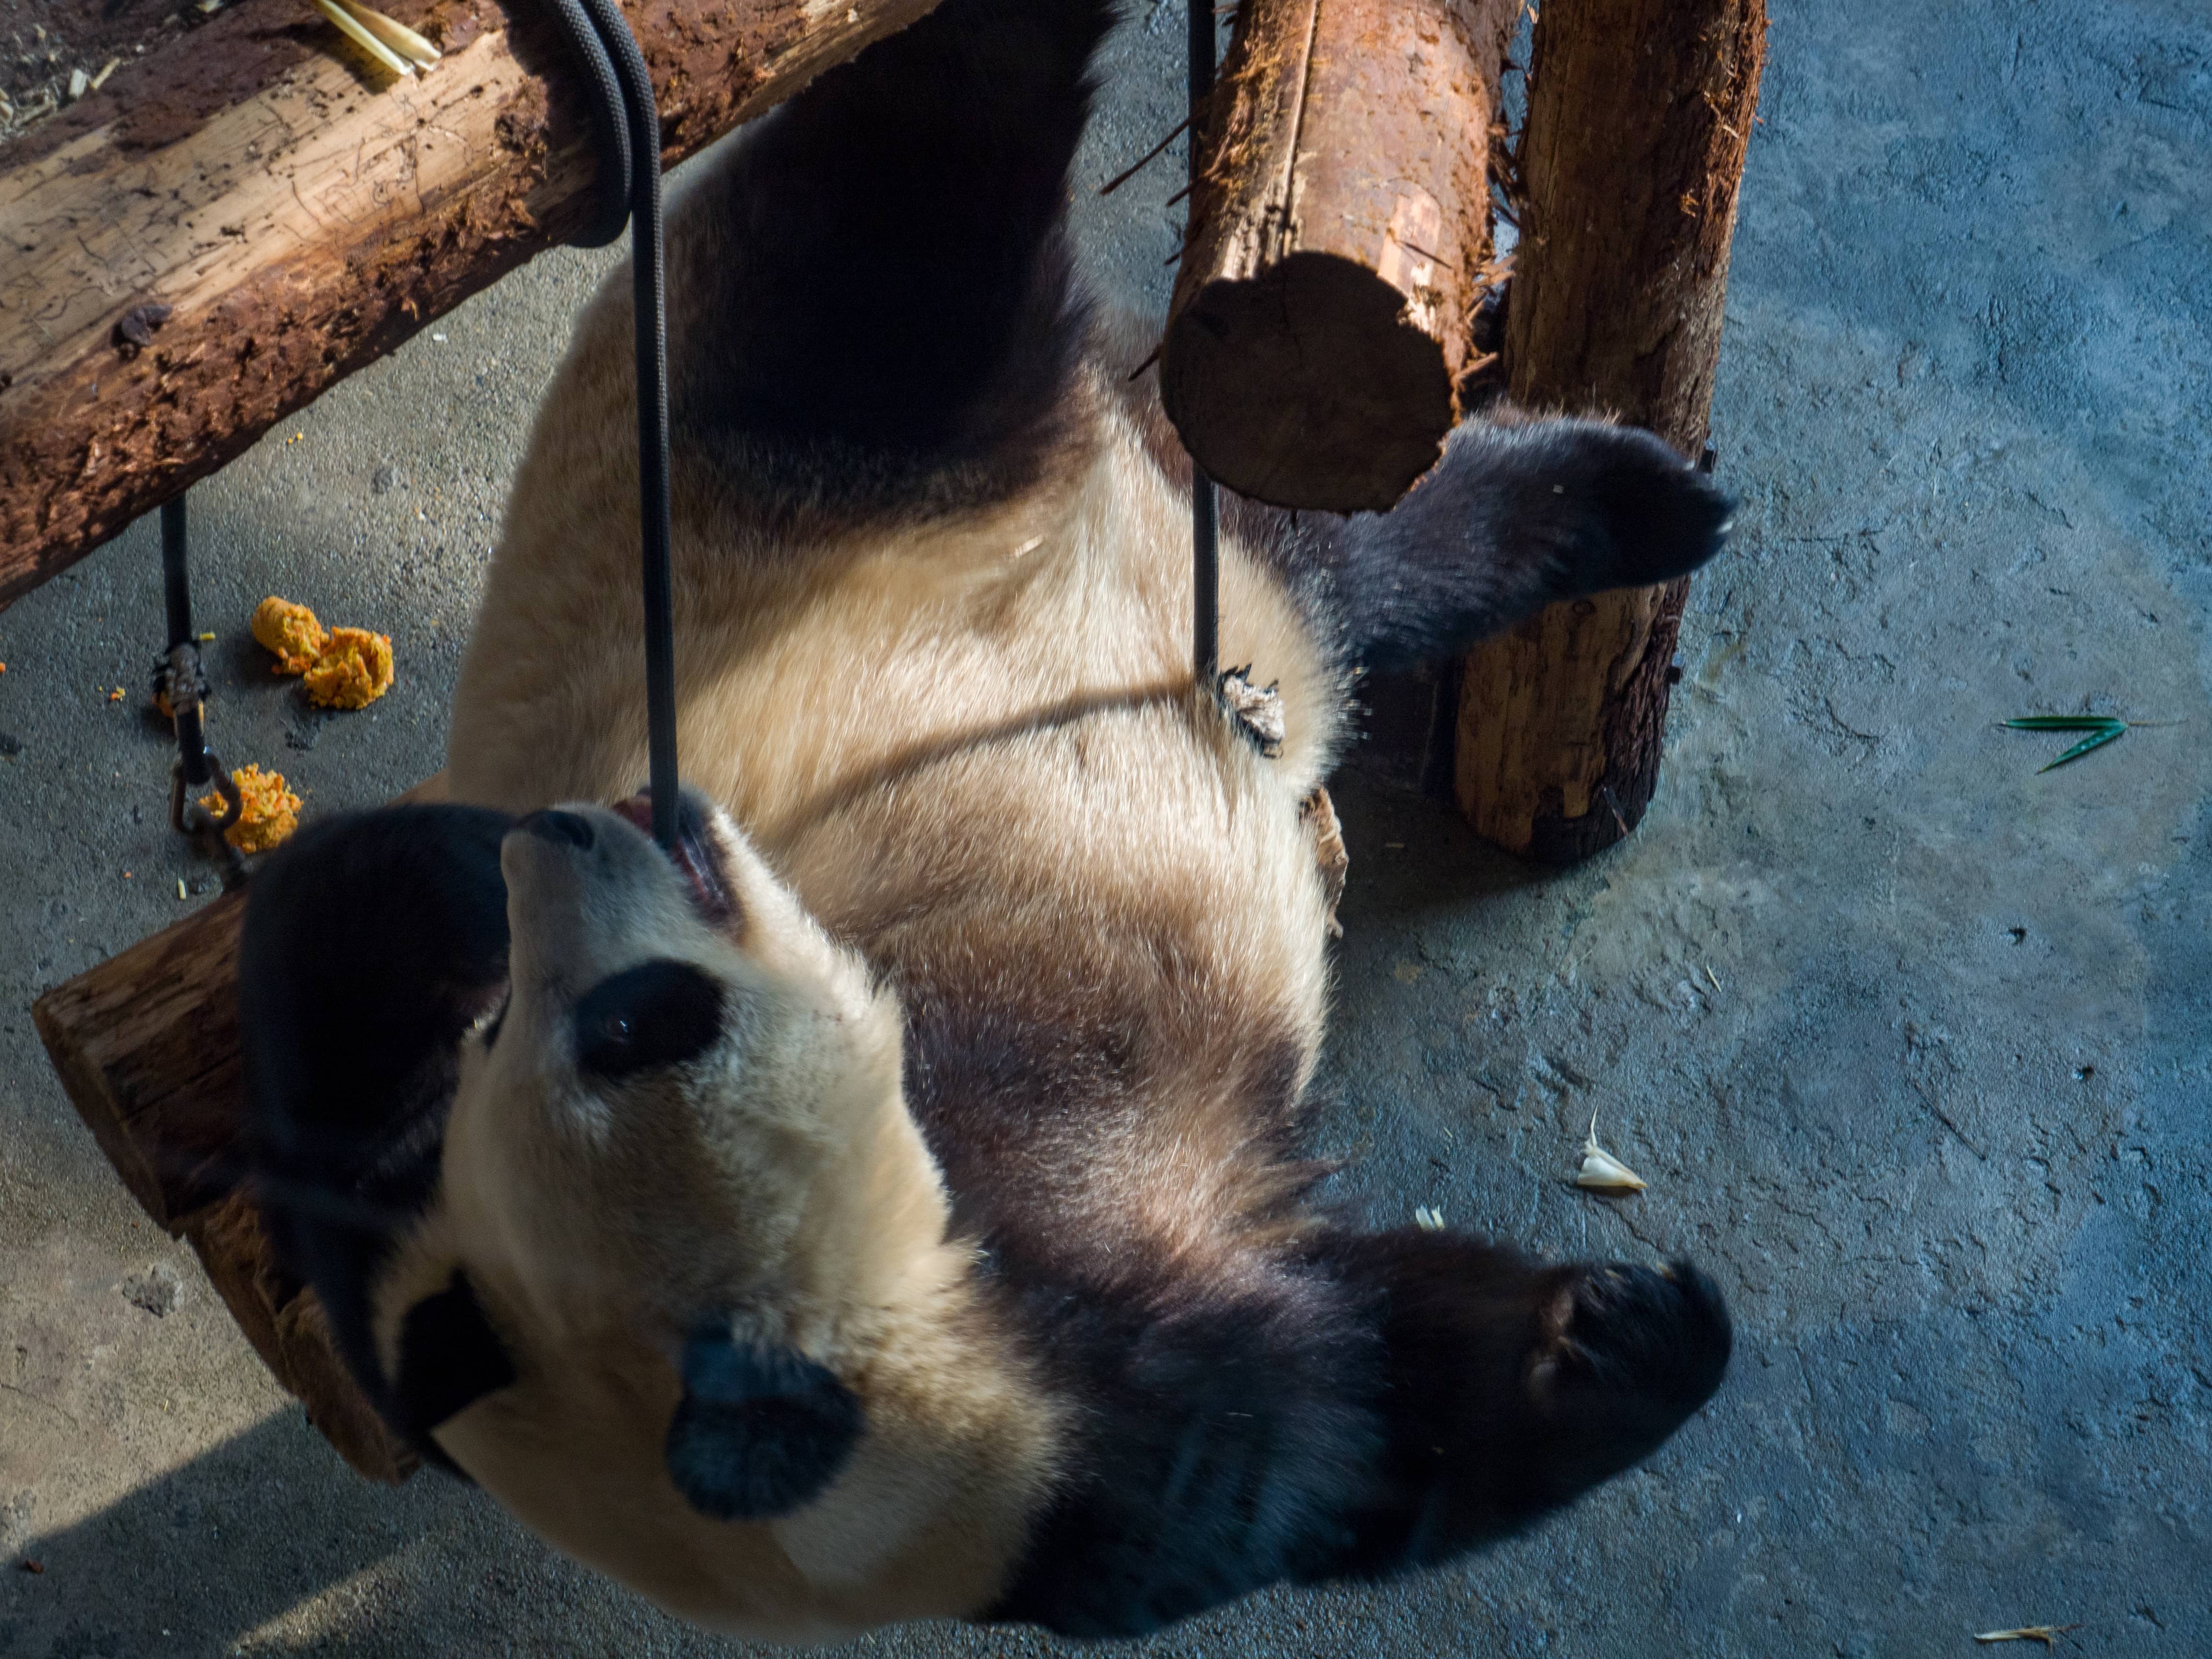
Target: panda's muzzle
[[696, 855], [588, 890]]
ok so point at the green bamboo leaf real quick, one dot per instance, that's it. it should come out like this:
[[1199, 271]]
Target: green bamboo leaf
[[2094, 740], [2068, 723]]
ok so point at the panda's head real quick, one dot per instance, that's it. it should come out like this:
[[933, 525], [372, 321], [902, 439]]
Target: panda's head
[[682, 1080], [669, 1137], [680, 1257]]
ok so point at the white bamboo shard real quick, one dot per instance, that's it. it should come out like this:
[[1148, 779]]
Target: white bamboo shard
[[1601, 1172], [395, 35]]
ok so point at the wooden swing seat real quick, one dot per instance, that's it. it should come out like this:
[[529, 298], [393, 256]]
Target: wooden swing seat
[[148, 1050]]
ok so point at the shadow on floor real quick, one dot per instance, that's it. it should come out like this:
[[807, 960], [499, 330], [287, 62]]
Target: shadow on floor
[[170, 1559]]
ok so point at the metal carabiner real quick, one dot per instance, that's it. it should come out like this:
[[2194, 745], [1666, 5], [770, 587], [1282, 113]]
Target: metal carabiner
[[180, 681]]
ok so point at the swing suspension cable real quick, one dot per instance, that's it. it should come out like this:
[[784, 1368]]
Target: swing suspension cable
[[1204, 523], [180, 681], [183, 683], [626, 126]]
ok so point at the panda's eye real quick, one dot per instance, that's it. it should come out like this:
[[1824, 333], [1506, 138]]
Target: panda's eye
[[657, 1013]]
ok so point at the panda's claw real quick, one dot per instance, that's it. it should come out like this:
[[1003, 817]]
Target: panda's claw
[[1663, 1330]]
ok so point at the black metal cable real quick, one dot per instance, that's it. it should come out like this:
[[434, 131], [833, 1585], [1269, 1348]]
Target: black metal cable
[[1204, 523], [183, 659], [609, 128], [180, 683], [628, 125]]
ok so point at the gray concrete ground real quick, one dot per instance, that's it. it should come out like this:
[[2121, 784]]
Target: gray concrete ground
[[1912, 1042]]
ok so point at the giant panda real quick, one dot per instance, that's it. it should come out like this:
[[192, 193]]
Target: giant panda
[[887, 1205]]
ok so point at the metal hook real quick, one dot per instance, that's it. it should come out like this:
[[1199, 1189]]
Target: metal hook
[[187, 816]]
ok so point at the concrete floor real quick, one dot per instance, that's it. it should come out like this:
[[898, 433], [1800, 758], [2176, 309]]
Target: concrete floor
[[1914, 1044]]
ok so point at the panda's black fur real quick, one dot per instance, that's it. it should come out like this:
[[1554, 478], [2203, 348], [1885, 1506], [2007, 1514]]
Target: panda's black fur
[[891, 1207], [378, 1054]]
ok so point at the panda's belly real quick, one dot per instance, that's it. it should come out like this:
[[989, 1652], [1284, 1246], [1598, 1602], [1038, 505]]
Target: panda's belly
[[808, 678], [987, 731]]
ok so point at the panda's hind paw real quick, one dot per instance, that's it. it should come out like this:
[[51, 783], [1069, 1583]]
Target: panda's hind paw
[[1626, 1354], [1629, 512]]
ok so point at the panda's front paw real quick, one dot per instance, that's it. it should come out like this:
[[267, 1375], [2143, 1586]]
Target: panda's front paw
[[1626, 1355], [1516, 516], [1622, 509]]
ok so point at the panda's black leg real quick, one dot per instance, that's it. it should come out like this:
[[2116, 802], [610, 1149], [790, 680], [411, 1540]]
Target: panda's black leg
[[1512, 518], [1512, 1388], [875, 299]]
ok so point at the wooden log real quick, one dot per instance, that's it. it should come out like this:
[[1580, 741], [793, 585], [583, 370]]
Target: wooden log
[[147, 1046], [1340, 230], [1639, 111], [244, 217], [285, 1323]]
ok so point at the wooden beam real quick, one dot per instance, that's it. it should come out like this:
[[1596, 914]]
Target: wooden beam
[[1323, 313], [1638, 115], [285, 1323], [239, 220], [147, 1046]]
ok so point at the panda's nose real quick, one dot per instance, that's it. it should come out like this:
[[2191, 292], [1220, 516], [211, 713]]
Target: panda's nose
[[564, 829]]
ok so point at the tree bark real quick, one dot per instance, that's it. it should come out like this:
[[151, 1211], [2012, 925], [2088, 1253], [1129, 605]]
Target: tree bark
[[146, 1045], [245, 216], [1340, 231], [1638, 115]]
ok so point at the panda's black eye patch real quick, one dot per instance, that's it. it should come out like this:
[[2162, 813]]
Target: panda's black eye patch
[[657, 1013]]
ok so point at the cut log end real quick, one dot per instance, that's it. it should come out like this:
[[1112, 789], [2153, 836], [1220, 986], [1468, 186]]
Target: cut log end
[[1338, 248], [1309, 385]]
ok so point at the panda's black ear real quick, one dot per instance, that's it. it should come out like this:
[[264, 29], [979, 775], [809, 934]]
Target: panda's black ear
[[449, 1358], [760, 1430], [372, 943]]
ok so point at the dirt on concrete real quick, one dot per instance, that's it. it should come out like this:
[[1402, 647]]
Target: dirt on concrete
[[1913, 1043]]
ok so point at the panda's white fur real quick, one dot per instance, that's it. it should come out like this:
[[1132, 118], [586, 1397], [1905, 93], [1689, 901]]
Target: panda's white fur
[[996, 962]]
